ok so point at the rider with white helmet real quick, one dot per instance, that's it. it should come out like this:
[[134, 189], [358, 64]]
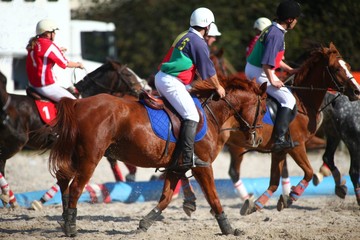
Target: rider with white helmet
[[259, 25], [43, 54], [213, 33], [267, 56], [189, 53]]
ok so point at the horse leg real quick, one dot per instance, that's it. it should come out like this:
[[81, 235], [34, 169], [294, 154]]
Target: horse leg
[[236, 158], [277, 162], [189, 204], [130, 177], [205, 178], [116, 170], [5, 190], [285, 182], [354, 171], [328, 159], [170, 182], [300, 157], [38, 205]]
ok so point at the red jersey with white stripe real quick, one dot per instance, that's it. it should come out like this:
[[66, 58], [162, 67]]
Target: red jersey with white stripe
[[40, 61]]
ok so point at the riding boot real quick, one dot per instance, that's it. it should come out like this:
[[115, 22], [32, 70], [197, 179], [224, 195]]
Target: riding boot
[[281, 127], [185, 145]]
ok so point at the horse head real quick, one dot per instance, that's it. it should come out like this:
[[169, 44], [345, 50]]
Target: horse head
[[112, 78], [341, 75], [246, 99], [325, 68]]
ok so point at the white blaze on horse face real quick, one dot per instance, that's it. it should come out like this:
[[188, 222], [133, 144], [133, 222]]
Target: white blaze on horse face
[[348, 73]]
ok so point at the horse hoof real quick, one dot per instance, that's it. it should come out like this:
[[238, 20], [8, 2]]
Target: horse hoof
[[247, 208], [317, 178], [189, 207], [36, 205], [341, 191], [324, 170], [238, 232], [283, 202], [5, 199], [14, 205]]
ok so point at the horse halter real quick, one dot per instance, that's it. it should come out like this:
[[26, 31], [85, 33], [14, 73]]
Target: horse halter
[[335, 80], [244, 125]]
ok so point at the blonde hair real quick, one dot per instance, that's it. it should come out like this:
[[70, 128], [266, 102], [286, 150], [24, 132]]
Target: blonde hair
[[31, 43]]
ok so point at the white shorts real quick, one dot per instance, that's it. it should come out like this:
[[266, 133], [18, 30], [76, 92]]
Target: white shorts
[[177, 94], [54, 92], [282, 95]]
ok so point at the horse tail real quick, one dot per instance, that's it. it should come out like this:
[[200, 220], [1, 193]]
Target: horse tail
[[62, 152]]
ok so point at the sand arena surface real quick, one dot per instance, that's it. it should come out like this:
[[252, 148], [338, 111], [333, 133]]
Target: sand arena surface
[[326, 217]]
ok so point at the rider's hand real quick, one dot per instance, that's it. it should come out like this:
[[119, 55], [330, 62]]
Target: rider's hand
[[277, 83], [221, 91], [80, 65]]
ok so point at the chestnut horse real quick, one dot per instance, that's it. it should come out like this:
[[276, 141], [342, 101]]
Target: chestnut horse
[[325, 68], [20, 119], [118, 127]]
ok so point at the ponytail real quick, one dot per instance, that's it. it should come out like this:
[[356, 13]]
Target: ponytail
[[31, 43]]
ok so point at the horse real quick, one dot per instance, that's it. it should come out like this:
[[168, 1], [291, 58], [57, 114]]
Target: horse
[[341, 119], [20, 118], [121, 129], [325, 68]]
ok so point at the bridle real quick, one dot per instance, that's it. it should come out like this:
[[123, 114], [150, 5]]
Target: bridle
[[244, 125]]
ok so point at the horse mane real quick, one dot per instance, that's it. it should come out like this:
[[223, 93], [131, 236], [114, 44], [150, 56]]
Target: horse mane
[[316, 54], [204, 89]]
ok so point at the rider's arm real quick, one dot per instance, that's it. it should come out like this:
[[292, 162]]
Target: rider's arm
[[287, 68], [270, 75], [215, 82], [75, 65]]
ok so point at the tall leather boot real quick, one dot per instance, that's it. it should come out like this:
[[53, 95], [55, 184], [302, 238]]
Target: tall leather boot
[[185, 145], [281, 127]]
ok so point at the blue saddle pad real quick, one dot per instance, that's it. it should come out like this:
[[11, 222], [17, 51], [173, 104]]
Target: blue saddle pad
[[267, 118], [160, 123]]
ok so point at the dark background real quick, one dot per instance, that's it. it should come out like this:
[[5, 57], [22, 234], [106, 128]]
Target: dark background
[[147, 28]]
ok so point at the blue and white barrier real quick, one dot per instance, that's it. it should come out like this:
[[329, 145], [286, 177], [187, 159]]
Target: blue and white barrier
[[151, 190]]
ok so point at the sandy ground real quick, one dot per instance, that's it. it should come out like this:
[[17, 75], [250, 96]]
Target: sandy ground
[[326, 217]]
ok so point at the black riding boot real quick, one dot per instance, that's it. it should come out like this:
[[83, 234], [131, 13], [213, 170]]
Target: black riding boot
[[281, 127], [185, 145]]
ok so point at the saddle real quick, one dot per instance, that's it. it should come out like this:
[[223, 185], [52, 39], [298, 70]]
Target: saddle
[[46, 107], [160, 103]]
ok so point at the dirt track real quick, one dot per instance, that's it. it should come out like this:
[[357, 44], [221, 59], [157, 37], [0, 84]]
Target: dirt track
[[310, 218]]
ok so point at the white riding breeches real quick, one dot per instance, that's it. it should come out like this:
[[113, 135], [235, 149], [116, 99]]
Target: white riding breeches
[[177, 94], [54, 92], [282, 95]]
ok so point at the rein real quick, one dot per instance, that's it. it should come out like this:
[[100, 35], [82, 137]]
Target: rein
[[239, 118]]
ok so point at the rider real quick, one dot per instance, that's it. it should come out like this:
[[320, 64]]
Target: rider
[[188, 53], [43, 54], [213, 33], [259, 25], [266, 56]]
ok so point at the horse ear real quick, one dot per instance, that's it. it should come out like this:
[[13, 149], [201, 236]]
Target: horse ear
[[332, 46], [263, 88]]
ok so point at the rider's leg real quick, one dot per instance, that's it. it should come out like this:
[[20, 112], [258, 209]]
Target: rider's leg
[[178, 96]]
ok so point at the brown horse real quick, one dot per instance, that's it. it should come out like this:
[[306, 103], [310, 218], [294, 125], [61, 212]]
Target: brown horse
[[325, 68], [105, 125], [20, 119]]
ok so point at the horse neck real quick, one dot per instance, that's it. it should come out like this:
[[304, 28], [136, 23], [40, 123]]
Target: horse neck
[[3, 96], [315, 79]]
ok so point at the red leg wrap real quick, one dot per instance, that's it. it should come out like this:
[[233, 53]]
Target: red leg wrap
[[298, 190], [262, 200]]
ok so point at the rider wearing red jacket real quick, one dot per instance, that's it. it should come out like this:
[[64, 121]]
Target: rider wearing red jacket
[[43, 54]]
